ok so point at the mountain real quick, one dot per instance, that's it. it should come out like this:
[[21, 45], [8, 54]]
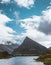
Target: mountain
[[49, 48], [45, 58], [8, 48], [29, 47]]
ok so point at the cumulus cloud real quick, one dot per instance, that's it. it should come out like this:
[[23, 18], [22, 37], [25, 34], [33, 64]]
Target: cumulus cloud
[[22, 3], [32, 21], [16, 14], [45, 24], [41, 23], [37, 27], [37, 36], [50, 2], [5, 1], [25, 3], [6, 33]]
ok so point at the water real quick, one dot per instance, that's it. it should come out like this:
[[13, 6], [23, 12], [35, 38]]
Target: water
[[20, 60]]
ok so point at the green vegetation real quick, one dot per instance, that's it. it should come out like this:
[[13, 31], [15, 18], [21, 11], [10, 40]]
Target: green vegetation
[[4, 55], [46, 58]]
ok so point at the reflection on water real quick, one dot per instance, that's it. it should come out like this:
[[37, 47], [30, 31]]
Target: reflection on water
[[20, 61]]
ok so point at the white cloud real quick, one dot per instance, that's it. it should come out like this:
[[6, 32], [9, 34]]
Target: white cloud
[[47, 15], [50, 2], [5, 1], [22, 3], [25, 3], [32, 24], [1, 11], [4, 19], [45, 24], [5, 31], [16, 14]]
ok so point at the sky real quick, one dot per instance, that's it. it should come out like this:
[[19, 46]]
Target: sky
[[21, 18]]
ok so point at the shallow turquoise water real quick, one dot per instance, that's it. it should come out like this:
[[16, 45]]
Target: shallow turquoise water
[[20, 60]]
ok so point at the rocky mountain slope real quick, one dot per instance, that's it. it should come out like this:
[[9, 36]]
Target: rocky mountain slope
[[30, 47], [8, 48]]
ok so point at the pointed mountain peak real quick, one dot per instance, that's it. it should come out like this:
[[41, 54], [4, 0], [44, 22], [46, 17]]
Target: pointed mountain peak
[[27, 38], [30, 46], [29, 41]]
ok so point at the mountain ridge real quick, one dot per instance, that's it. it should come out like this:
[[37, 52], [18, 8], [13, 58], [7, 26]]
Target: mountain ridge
[[8, 48], [30, 47]]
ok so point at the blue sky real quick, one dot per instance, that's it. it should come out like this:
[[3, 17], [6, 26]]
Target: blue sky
[[25, 18]]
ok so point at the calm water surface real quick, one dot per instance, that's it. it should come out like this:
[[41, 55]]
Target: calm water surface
[[25, 60]]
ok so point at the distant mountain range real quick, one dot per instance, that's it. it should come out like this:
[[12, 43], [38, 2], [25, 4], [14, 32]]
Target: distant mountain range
[[8, 48], [29, 47]]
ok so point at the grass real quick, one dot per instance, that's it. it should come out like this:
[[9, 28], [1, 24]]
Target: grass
[[46, 58], [4, 55]]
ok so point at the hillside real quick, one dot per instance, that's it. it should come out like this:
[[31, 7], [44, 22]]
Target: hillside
[[30, 47], [46, 58], [49, 48], [8, 48]]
